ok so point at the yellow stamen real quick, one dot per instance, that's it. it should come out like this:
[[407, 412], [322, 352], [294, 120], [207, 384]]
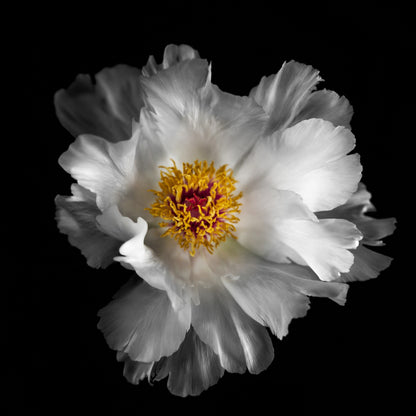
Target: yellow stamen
[[197, 204]]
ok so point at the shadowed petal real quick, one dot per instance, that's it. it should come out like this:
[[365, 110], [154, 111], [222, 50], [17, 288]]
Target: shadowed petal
[[172, 55], [238, 340], [191, 369], [76, 217], [278, 226], [105, 168], [272, 294], [105, 108], [142, 323], [145, 261], [135, 371], [367, 264], [310, 159], [327, 105], [188, 118], [283, 95]]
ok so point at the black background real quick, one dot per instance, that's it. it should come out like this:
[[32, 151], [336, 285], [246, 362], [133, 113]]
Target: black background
[[354, 357]]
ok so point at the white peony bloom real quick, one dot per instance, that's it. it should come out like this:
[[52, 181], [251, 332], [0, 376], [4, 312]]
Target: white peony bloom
[[231, 210]]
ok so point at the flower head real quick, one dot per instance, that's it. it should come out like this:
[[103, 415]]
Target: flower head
[[232, 211]]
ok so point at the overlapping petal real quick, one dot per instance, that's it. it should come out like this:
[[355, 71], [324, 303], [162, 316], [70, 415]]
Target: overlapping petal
[[104, 168], [270, 293], [106, 104], [102, 108], [287, 98], [140, 257], [367, 263], [189, 118], [190, 370], [327, 105], [288, 231], [143, 324], [310, 159], [282, 95], [239, 341], [172, 55], [76, 217]]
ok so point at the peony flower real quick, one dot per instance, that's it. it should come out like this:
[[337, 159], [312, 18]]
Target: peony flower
[[232, 211]]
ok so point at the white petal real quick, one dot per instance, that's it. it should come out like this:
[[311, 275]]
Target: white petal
[[135, 371], [173, 54], [107, 169], [327, 105], [267, 300], [111, 222], [323, 246], [277, 226], [143, 324], [105, 108], [309, 159], [272, 294], [148, 265], [367, 265], [284, 94], [191, 369], [375, 229], [192, 119], [76, 217], [238, 340], [355, 210], [263, 209], [171, 90]]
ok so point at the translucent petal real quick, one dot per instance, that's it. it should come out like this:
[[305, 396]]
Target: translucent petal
[[327, 105], [310, 159], [284, 94], [278, 226], [143, 324], [104, 168], [238, 340], [76, 217], [104, 108], [272, 294]]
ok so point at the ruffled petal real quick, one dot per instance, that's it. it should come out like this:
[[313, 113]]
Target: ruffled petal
[[147, 263], [105, 168], [76, 217], [191, 369], [142, 323], [356, 209], [267, 300], [236, 338], [272, 294], [367, 265], [327, 105], [278, 226], [309, 159], [102, 108], [188, 118], [135, 371], [284, 94], [323, 246], [263, 210], [172, 55]]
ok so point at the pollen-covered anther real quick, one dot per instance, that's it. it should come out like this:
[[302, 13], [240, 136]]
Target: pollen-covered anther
[[197, 204]]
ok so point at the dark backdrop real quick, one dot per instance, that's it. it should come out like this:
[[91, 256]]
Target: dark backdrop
[[351, 357]]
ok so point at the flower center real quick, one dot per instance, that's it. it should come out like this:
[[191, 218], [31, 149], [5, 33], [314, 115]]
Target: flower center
[[197, 204]]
